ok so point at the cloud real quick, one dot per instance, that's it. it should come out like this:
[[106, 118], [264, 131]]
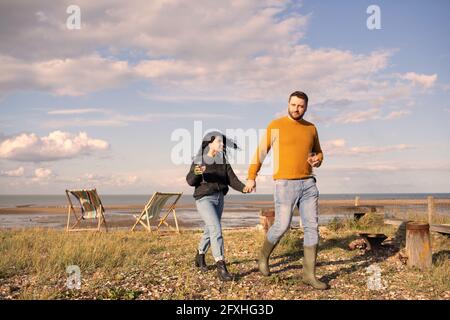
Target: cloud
[[19, 172], [338, 147], [204, 29], [397, 114], [377, 150], [426, 81], [116, 180], [250, 51], [74, 111], [42, 174], [115, 119], [56, 145], [358, 116], [388, 166], [72, 77]]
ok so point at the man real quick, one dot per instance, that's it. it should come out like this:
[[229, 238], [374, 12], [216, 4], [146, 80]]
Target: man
[[296, 147]]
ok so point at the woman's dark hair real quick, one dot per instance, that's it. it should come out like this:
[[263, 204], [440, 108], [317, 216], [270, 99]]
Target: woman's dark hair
[[210, 137]]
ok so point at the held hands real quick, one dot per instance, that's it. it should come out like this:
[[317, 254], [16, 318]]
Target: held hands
[[315, 162], [250, 186], [198, 170]]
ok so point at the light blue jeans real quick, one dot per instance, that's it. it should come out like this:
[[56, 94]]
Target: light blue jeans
[[303, 194], [210, 209]]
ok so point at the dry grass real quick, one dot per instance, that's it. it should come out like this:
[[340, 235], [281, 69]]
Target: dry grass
[[124, 265]]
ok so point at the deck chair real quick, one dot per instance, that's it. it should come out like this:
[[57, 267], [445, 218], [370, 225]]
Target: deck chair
[[91, 207], [154, 212]]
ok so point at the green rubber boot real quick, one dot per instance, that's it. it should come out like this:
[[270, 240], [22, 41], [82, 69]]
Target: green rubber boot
[[263, 262], [309, 268]]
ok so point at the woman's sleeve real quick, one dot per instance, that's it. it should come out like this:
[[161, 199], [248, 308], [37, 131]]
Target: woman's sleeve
[[234, 181], [191, 178]]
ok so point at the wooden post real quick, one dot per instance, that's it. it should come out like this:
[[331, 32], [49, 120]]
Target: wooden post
[[418, 245], [266, 218], [356, 201], [431, 210]]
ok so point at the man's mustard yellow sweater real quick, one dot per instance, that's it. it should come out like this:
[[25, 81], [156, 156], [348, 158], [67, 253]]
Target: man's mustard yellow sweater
[[291, 141]]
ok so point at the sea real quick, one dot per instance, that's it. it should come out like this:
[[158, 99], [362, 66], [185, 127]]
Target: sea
[[60, 200], [238, 212]]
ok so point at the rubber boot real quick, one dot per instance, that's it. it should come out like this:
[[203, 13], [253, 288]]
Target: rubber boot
[[222, 271], [309, 268], [200, 262], [263, 262]]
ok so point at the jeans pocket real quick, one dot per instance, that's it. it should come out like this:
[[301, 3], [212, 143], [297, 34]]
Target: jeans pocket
[[311, 187], [280, 182]]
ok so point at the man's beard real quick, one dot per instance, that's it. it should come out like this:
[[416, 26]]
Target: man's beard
[[295, 117]]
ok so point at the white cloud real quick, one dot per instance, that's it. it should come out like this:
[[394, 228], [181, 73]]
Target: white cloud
[[114, 180], [245, 50], [74, 111], [19, 172], [71, 76], [57, 145], [204, 29], [42, 173], [359, 116], [337, 143], [389, 166], [397, 114], [338, 147], [114, 119], [426, 81], [377, 150]]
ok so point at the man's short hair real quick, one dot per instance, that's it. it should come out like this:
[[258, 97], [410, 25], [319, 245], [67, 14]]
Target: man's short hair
[[299, 94]]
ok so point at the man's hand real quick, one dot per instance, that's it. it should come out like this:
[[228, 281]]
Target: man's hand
[[250, 186], [315, 162]]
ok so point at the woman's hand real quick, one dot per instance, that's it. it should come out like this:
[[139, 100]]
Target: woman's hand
[[198, 170], [250, 186]]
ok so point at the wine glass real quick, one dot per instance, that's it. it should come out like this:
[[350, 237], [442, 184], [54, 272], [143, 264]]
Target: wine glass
[[200, 164]]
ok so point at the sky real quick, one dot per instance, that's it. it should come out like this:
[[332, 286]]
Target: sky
[[121, 103]]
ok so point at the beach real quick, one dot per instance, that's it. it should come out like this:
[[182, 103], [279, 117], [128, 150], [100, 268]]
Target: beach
[[120, 264]]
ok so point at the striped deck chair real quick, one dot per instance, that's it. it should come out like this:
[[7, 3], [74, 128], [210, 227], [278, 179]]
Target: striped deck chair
[[154, 211], [91, 207]]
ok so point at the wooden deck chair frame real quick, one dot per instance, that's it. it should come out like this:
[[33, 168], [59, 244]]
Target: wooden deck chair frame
[[71, 211], [144, 219]]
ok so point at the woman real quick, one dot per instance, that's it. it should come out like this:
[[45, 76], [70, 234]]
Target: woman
[[211, 174]]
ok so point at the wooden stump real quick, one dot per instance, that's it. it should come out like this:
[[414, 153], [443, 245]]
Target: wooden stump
[[418, 245], [266, 218]]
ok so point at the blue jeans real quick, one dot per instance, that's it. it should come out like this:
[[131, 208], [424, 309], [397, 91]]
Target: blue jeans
[[210, 209], [303, 194]]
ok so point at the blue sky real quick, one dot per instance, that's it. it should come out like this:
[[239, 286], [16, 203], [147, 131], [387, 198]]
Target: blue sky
[[98, 106]]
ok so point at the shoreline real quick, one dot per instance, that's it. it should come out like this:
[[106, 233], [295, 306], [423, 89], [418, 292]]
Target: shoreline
[[246, 206], [236, 213]]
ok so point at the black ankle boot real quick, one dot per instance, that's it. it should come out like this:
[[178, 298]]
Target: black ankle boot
[[200, 262], [222, 271]]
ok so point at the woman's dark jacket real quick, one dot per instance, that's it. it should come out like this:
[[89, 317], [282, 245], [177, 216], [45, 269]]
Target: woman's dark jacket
[[218, 176]]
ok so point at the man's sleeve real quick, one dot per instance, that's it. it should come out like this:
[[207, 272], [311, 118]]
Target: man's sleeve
[[261, 153], [316, 148]]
